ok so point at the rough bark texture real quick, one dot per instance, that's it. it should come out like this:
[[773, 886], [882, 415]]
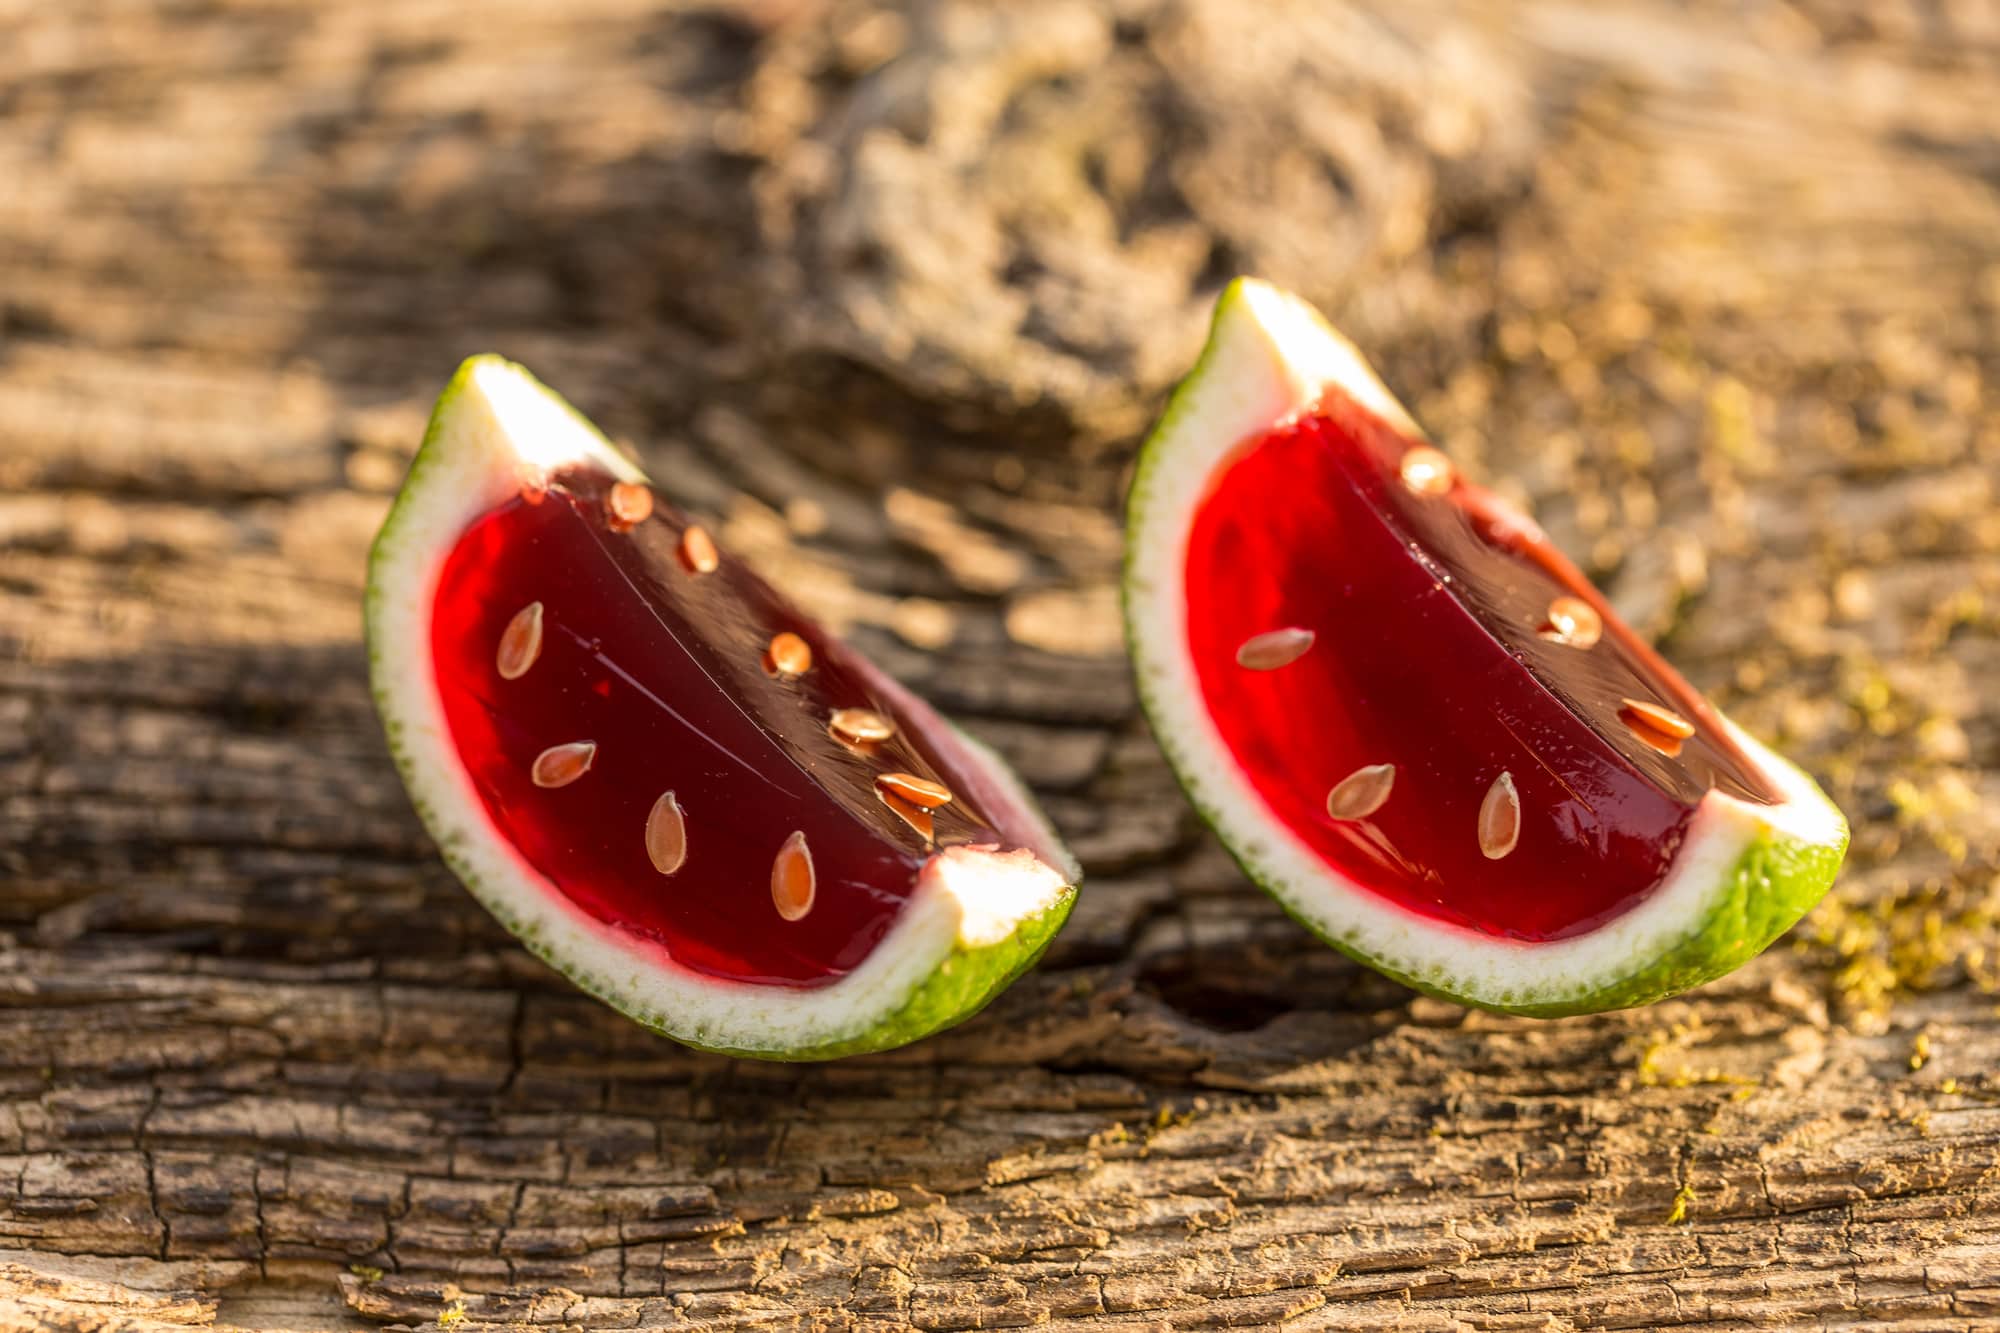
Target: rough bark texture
[[886, 293]]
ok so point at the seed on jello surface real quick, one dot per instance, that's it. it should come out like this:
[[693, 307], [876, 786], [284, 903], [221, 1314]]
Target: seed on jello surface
[[698, 550], [915, 790], [915, 816], [792, 881], [788, 655], [628, 504], [1572, 622], [1500, 818], [1643, 725], [1275, 648], [1426, 471], [534, 485], [1670, 746], [560, 765], [1663, 720], [520, 642], [1362, 792], [666, 835], [860, 726]]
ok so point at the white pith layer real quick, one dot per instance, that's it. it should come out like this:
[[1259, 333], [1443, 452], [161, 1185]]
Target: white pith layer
[[501, 420], [1269, 357]]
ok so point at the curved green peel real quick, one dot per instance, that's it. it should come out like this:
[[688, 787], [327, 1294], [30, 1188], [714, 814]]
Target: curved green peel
[[966, 981], [939, 964], [1742, 878], [1775, 882]]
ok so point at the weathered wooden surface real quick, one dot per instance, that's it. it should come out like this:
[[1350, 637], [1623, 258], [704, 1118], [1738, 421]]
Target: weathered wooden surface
[[886, 294]]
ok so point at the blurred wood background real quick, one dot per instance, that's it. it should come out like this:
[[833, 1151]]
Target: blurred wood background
[[887, 293]]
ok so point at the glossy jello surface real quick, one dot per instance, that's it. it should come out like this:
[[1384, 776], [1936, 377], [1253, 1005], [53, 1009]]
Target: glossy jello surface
[[1434, 650], [649, 667]]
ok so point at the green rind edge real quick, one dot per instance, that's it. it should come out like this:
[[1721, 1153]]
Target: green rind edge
[[1775, 881], [963, 983]]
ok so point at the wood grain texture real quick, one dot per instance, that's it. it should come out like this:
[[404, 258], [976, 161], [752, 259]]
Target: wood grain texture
[[885, 293]]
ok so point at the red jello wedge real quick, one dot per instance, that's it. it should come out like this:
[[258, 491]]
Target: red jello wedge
[[1604, 798], [664, 668], [666, 778], [1415, 722]]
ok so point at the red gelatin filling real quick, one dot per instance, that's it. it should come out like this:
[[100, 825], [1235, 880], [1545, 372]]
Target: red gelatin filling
[[663, 666], [1429, 608]]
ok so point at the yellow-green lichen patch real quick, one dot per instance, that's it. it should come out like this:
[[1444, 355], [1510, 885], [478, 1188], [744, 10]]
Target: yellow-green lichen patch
[[1907, 939], [1665, 1059]]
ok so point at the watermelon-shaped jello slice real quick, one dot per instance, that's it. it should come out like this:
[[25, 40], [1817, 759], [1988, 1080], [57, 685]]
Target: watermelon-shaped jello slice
[[1415, 723], [666, 778]]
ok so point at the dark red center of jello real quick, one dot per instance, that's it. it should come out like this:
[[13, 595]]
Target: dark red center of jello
[[1434, 650], [664, 667]]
